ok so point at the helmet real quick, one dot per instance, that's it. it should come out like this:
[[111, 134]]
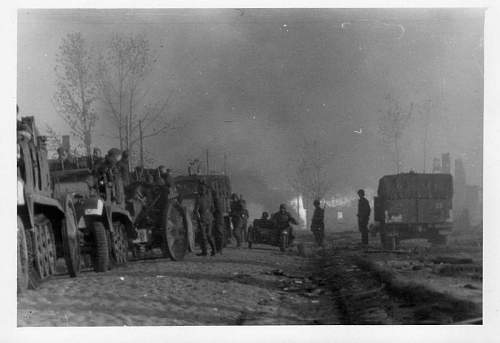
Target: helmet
[[316, 202], [282, 207], [361, 192]]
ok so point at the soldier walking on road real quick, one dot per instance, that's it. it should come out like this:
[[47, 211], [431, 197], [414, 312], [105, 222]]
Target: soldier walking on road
[[218, 228], [203, 210], [318, 223], [236, 218], [363, 216]]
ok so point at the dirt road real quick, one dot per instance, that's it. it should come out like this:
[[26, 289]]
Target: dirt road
[[340, 284], [258, 286]]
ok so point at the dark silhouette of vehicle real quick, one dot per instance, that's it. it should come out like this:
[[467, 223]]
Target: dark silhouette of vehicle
[[104, 225], [46, 223], [413, 205], [160, 220], [266, 232]]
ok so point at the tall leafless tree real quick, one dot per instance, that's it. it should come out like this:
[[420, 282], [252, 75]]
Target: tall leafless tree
[[392, 125], [123, 72], [76, 88]]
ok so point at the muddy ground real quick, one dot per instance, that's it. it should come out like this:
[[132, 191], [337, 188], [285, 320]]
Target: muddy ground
[[339, 284]]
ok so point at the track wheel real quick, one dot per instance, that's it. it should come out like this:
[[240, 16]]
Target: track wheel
[[44, 247], [120, 243]]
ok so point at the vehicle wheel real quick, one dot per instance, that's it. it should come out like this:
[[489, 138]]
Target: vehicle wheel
[[283, 242], [175, 233], [70, 240], [33, 275], [120, 243], [44, 247], [101, 247], [22, 258]]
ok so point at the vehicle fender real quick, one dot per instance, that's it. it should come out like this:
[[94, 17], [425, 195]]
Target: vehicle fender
[[114, 212], [53, 205]]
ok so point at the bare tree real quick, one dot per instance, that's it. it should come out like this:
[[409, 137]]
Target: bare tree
[[393, 124], [76, 88], [123, 71]]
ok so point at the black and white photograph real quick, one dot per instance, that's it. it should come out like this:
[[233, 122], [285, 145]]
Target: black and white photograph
[[264, 167]]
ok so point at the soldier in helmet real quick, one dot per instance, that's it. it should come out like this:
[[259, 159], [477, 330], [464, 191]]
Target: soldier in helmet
[[108, 175], [123, 167], [318, 223], [282, 220], [203, 211], [236, 218], [218, 227], [363, 216]]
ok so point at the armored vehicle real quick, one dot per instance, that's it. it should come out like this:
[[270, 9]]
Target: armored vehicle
[[104, 225], [187, 188], [46, 224], [413, 205]]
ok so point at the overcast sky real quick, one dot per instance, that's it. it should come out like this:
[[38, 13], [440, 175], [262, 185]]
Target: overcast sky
[[253, 83]]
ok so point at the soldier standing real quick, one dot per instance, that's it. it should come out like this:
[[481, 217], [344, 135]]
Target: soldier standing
[[318, 223], [218, 229], [203, 211], [123, 167], [236, 218], [363, 216]]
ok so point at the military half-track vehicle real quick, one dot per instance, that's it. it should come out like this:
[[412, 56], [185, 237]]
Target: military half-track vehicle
[[46, 224], [104, 225], [413, 205]]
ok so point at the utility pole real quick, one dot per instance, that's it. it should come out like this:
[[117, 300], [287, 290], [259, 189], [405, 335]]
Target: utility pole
[[208, 165], [141, 152], [225, 164]]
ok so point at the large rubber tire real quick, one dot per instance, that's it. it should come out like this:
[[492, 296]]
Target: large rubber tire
[[120, 243], [101, 247], [175, 232], [70, 239], [44, 247], [22, 258]]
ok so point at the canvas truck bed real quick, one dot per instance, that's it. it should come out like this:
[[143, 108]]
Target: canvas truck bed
[[416, 186]]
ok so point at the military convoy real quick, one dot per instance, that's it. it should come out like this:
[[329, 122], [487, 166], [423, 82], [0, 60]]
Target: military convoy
[[413, 205]]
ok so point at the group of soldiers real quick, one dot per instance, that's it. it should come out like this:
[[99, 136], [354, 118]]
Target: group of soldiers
[[209, 212], [209, 208]]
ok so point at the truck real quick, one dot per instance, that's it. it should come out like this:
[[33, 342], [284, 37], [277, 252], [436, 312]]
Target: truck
[[187, 188], [413, 205], [104, 226], [46, 224]]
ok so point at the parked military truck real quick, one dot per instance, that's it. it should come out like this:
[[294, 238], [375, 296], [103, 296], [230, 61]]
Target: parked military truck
[[104, 225], [413, 205], [187, 187], [46, 225]]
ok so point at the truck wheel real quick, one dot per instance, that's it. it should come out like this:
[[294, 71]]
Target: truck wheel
[[22, 258], [44, 247], [120, 243], [175, 233], [70, 240], [101, 250]]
